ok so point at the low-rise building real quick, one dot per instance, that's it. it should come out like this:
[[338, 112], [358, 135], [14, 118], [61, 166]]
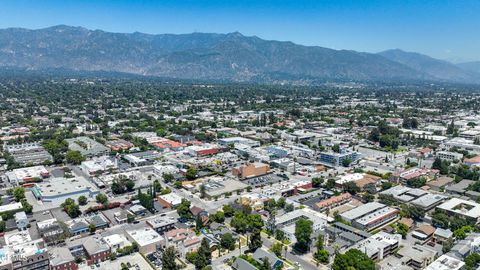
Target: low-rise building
[[87, 147], [251, 170], [446, 262], [450, 156], [28, 153], [147, 239], [379, 246], [462, 208], [370, 216], [62, 259]]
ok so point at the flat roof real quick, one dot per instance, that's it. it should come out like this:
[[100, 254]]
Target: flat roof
[[445, 262], [145, 236], [362, 210], [462, 207]]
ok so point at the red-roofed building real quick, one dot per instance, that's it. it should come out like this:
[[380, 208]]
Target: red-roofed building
[[475, 161], [333, 202]]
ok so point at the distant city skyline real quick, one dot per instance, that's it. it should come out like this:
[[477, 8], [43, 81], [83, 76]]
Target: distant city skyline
[[443, 29]]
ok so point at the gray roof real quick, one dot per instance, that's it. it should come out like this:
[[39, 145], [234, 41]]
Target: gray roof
[[60, 255], [241, 264], [260, 254], [94, 245]]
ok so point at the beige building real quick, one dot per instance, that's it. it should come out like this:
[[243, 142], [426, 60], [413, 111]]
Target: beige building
[[251, 170]]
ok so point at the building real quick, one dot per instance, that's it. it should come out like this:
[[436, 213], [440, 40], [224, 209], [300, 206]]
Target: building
[[62, 259], [216, 187], [370, 216], [379, 246], [20, 252], [440, 183], [170, 200], [142, 158], [28, 153], [261, 254], [344, 235], [161, 223], [337, 159], [286, 222], [446, 262], [474, 161], [116, 241], [21, 220], [463, 144], [119, 145], [251, 170], [417, 256], [87, 147], [238, 140], [462, 208], [465, 247], [51, 231], [11, 207], [414, 173], [450, 156], [95, 249], [147, 239], [28, 175], [183, 239], [98, 165], [333, 202], [59, 189]]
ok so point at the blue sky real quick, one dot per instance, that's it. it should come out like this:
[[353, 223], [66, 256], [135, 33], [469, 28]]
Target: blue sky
[[446, 29]]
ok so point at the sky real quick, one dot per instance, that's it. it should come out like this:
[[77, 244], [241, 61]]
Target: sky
[[444, 29]]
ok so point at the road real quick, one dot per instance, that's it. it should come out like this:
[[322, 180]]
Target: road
[[306, 265]]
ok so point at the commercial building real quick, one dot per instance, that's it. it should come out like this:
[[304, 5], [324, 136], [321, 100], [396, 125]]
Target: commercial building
[[98, 165], [251, 170], [217, 187], [161, 223], [147, 239], [87, 147], [95, 249], [62, 259], [370, 216], [59, 189], [116, 241], [20, 252], [337, 159], [238, 140], [170, 200], [28, 153], [142, 158], [28, 175]]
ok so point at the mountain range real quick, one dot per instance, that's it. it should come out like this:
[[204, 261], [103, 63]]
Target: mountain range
[[224, 57]]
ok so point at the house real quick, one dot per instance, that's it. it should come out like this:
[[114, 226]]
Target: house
[[424, 232], [260, 254], [241, 264], [198, 212]]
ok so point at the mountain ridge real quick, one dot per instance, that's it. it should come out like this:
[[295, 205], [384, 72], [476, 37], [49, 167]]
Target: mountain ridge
[[232, 56]]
